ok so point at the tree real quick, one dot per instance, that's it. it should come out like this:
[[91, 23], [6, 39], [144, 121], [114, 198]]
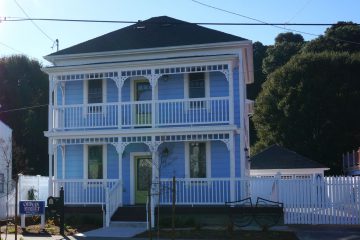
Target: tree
[[286, 45], [343, 36], [310, 105], [22, 84]]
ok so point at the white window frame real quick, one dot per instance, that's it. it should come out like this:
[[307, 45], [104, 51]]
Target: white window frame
[[86, 92], [208, 158], [86, 161]]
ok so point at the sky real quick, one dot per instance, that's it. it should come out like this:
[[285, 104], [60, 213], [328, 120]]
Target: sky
[[26, 38]]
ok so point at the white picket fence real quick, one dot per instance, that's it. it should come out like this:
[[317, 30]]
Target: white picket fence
[[328, 200]]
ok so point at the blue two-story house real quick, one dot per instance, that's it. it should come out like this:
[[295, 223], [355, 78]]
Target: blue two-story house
[[132, 109]]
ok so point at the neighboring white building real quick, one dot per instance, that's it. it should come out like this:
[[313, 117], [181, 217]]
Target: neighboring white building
[[5, 156], [276, 160]]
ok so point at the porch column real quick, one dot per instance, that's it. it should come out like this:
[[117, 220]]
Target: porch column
[[232, 167], [52, 84], [155, 181], [153, 82], [62, 162], [51, 153], [231, 94], [119, 83], [120, 149]]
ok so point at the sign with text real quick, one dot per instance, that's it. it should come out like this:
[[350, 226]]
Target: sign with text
[[32, 207]]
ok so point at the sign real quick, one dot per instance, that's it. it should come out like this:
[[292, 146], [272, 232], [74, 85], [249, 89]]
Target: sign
[[32, 207]]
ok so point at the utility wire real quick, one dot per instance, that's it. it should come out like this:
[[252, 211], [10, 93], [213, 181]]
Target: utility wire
[[17, 19], [299, 11], [23, 108], [265, 23], [9, 47], [37, 26]]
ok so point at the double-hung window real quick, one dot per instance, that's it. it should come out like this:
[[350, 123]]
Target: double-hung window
[[95, 162], [198, 159], [95, 94], [197, 87]]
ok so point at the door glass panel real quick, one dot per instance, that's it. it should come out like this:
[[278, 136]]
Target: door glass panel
[[143, 173]]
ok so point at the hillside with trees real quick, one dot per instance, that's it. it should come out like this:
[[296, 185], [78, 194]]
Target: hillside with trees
[[309, 99]]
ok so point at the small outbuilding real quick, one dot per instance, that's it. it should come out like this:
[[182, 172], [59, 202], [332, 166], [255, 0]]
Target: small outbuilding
[[277, 160]]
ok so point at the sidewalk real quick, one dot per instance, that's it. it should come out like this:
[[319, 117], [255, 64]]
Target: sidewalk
[[326, 232]]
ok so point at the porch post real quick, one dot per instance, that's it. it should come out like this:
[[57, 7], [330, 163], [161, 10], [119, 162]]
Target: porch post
[[231, 94], [232, 167], [52, 84], [155, 178], [120, 150], [119, 84], [153, 83], [62, 162], [50, 152]]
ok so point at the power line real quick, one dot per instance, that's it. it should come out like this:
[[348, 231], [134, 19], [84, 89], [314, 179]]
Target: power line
[[17, 19], [23, 108], [37, 26], [9, 47], [265, 23], [299, 11]]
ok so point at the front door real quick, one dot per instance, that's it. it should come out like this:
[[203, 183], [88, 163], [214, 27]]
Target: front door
[[143, 169], [143, 110]]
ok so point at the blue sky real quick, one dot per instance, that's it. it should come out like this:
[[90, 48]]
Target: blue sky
[[25, 38]]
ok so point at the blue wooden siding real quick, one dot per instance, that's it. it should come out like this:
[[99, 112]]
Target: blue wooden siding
[[74, 161], [237, 156], [59, 163], [174, 164], [219, 86], [171, 88], [74, 93], [112, 91], [112, 162], [220, 160]]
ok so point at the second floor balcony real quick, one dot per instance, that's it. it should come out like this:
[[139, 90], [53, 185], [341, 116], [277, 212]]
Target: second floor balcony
[[157, 113]]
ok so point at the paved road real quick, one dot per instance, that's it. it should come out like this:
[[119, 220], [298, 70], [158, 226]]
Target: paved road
[[303, 232]]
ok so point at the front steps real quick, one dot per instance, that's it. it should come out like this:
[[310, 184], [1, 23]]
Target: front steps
[[131, 213]]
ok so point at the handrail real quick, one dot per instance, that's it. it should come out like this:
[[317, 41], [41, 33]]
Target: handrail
[[113, 200]]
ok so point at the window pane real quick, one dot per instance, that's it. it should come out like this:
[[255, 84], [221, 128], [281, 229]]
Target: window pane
[[197, 85], [143, 91], [197, 160], [95, 91], [95, 166]]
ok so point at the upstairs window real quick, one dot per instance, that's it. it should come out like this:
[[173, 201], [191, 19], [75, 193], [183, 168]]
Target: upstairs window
[[95, 91], [197, 85], [197, 88]]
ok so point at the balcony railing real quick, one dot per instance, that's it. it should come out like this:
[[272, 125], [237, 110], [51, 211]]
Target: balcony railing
[[182, 112]]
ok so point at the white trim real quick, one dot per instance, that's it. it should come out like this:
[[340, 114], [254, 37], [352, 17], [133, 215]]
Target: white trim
[[86, 159], [165, 51], [132, 173], [208, 158]]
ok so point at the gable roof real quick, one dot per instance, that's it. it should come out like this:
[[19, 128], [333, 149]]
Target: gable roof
[[276, 157], [152, 33]]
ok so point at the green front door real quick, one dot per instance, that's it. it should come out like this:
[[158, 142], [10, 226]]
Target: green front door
[[143, 168]]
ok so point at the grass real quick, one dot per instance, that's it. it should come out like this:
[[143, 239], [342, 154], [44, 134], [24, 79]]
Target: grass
[[222, 234]]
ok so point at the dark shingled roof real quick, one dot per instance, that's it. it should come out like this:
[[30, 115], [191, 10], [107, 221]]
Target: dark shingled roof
[[152, 33], [276, 157]]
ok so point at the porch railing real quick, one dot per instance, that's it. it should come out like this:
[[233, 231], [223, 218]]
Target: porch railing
[[84, 191], [202, 191], [178, 112]]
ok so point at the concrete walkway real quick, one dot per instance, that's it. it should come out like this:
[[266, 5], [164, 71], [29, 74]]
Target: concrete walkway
[[326, 232]]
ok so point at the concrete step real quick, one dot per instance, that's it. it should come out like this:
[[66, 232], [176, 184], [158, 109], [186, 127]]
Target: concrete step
[[132, 224], [134, 213]]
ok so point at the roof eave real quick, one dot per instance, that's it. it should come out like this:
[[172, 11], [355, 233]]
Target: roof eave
[[54, 58]]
